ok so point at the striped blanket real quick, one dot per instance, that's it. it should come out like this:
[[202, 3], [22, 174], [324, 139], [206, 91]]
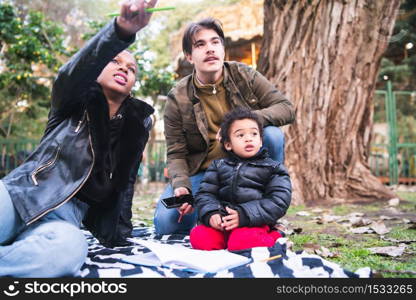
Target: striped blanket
[[107, 262]]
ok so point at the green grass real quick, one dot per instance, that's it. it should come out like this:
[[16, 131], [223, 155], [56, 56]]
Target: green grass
[[293, 209], [342, 210], [409, 196]]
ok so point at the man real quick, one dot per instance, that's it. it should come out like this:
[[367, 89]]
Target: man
[[194, 111], [86, 163]]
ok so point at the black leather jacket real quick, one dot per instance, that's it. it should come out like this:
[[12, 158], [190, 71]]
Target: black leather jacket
[[76, 133], [258, 188]]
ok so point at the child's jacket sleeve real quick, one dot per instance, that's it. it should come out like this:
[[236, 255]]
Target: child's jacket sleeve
[[207, 202]]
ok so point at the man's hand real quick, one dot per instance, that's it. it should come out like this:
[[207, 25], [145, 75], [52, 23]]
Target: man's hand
[[215, 222], [230, 221], [185, 208], [218, 135], [133, 16]]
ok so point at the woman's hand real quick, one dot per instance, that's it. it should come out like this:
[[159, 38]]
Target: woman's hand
[[133, 16]]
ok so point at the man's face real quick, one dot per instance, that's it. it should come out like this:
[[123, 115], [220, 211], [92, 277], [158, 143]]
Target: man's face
[[245, 140], [119, 75], [207, 53]]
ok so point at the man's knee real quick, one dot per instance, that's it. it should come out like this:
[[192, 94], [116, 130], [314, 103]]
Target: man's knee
[[274, 135]]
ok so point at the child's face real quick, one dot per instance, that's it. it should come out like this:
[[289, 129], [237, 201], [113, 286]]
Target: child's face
[[245, 140]]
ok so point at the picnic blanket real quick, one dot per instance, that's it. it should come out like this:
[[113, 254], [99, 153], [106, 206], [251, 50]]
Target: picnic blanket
[[107, 262]]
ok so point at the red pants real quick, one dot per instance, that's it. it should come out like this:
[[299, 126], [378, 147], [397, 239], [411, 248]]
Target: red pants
[[208, 238]]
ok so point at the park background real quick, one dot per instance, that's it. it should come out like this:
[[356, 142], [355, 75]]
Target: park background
[[349, 67]]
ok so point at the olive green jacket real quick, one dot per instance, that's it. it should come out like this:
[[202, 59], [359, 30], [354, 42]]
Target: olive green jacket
[[185, 122]]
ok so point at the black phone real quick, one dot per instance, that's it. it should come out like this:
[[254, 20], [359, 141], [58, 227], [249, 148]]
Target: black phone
[[173, 202]]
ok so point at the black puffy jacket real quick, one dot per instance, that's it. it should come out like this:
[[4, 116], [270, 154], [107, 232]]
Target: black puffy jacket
[[258, 188], [75, 140]]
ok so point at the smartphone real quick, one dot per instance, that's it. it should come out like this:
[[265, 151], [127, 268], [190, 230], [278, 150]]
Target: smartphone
[[173, 202]]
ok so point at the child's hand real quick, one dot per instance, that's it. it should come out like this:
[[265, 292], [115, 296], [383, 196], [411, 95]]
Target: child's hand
[[215, 222], [232, 220]]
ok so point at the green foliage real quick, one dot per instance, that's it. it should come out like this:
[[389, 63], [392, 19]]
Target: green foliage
[[399, 63], [31, 50]]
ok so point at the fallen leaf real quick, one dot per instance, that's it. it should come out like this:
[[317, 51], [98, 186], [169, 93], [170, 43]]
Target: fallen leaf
[[394, 202], [387, 218], [379, 227], [360, 221], [289, 231], [360, 230], [310, 247], [284, 222], [382, 237], [325, 252], [303, 213], [327, 219], [355, 214], [393, 251], [393, 210], [413, 226]]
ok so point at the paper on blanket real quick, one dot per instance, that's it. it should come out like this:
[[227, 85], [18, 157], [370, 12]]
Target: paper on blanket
[[180, 256]]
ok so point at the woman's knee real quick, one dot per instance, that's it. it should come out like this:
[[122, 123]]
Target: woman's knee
[[62, 246]]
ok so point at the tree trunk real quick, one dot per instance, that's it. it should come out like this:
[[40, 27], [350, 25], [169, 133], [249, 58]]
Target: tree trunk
[[325, 55]]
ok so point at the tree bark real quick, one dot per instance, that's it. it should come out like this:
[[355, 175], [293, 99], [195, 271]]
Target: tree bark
[[325, 55]]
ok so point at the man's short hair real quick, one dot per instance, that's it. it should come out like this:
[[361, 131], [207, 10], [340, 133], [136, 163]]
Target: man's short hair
[[239, 113], [194, 27]]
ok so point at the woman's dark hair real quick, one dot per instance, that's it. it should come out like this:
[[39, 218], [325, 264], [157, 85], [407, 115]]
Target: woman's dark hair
[[239, 113], [195, 27]]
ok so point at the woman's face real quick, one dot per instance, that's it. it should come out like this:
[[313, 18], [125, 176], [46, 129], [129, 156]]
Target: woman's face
[[119, 75]]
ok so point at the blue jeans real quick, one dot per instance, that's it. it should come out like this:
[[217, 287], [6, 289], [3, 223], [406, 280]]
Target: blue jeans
[[52, 246], [166, 219]]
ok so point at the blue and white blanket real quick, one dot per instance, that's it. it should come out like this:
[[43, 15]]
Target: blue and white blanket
[[107, 262]]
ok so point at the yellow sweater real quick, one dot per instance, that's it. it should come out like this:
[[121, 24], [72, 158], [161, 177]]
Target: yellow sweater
[[215, 106]]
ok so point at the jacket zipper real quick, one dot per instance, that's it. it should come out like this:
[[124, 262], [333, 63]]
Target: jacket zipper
[[80, 122], [79, 187], [41, 168], [237, 169]]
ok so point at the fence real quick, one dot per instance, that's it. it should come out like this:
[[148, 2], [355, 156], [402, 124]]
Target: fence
[[14, 152], [393, 149]]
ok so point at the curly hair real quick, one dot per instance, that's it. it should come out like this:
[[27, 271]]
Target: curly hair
[[239, 113]]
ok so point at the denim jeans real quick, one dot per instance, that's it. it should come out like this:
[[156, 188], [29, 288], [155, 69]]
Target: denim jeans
[[166, 219], [52, 246]]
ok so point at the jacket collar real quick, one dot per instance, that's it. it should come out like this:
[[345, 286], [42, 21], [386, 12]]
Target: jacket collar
[[138, 108], [262, 154], [228, 83]]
